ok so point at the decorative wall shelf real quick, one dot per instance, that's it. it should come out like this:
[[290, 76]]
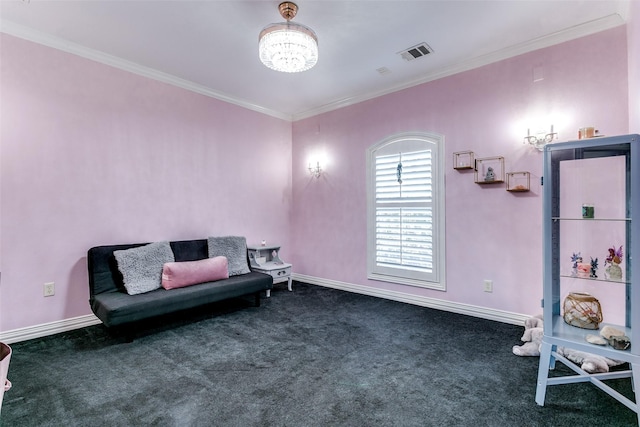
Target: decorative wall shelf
[[489, 170], [463, 160], [518, 182]]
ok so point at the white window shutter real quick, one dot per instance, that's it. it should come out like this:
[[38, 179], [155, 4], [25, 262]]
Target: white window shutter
[[403, 232], [403, 194]]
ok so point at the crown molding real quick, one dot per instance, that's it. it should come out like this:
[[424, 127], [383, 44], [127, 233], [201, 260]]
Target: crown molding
[[585, 29], [588, 28], [49, 40]]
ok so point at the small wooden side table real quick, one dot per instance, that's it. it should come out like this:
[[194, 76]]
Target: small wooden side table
[[266, 259]]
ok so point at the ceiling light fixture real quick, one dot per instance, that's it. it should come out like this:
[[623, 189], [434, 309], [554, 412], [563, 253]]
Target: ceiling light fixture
[[286, 46]]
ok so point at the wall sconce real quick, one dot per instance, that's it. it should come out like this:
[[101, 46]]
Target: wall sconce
[[315, 171], [541, 139]]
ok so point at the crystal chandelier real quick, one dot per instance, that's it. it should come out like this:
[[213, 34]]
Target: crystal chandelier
[[286, 46]]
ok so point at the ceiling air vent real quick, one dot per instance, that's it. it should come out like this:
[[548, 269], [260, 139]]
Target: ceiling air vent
[[415, 52]]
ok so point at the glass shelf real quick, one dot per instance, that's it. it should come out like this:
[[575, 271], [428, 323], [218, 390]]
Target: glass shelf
[[595, 279], [572, 334], [555, 218]]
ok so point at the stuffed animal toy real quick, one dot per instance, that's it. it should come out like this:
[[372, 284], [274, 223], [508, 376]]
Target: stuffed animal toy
[[533, 322], [590, 363], [532, 338]]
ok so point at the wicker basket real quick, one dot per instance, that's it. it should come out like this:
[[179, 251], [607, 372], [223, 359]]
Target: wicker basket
[[582, 310]]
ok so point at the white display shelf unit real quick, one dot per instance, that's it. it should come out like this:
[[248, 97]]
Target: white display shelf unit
[[605, 172]]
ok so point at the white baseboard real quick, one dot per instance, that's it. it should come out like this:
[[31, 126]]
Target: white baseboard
[[65, 325], [454, 307], [51, 328]]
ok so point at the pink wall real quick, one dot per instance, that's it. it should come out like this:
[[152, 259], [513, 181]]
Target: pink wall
[[491, 234], [633, 35], [91, 155]]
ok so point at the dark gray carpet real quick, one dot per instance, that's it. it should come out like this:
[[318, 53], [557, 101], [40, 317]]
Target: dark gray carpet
[[312, 357]]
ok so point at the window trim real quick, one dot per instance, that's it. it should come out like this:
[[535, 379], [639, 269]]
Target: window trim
[[435, 142]]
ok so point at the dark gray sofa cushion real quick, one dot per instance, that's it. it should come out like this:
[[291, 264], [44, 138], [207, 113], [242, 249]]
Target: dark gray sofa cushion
[[117, 308]]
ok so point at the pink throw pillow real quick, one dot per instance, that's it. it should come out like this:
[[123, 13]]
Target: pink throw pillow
[[186, 273]]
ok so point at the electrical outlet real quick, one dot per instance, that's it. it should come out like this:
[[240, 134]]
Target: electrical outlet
[[488, 285], [49, 289]]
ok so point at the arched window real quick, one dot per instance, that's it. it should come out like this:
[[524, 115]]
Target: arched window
[[405, 210]]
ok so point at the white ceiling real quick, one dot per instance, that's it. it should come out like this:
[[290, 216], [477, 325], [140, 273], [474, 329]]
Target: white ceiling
[[211, 46]]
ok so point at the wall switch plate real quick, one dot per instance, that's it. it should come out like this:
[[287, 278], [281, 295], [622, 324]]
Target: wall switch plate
[[49, 289], [488, 285]]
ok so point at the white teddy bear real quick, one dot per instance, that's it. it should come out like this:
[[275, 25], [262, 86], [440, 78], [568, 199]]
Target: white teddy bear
[[532, 338]]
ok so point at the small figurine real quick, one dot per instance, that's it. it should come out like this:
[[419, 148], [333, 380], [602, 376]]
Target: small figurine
[[614, 256], [594, 267], [614, 271], [490, 175], [575, 259]]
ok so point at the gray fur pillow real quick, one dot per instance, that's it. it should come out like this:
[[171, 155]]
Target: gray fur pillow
[[141, 267], [232, 247]]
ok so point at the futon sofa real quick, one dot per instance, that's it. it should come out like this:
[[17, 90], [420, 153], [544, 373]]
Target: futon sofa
[[112, 302]]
